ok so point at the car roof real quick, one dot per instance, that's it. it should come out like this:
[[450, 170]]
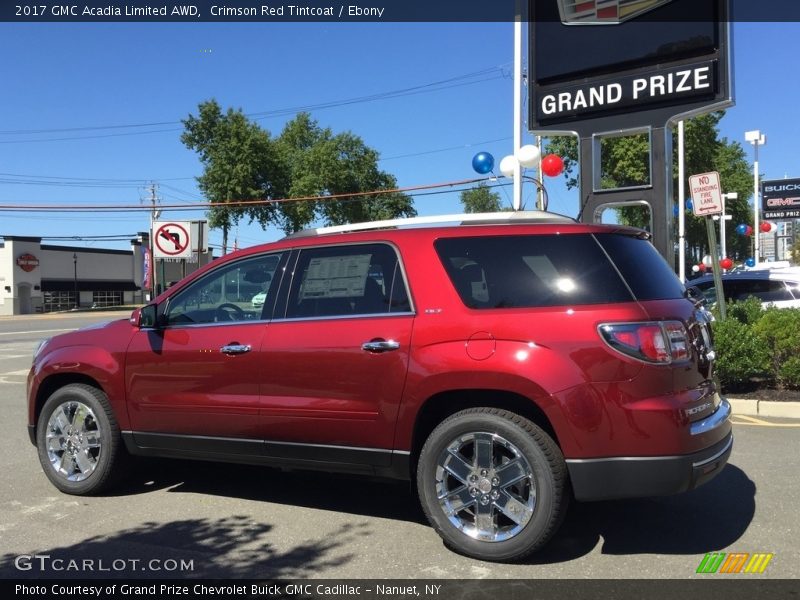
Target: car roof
[[788, 274]]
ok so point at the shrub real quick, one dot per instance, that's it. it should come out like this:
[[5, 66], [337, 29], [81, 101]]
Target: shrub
[[741, 354], [779, 332]]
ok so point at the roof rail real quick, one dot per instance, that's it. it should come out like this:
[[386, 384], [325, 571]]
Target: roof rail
[[489, 218]]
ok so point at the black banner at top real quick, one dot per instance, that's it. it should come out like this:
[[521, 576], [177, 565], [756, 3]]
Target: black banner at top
[[265, 11]]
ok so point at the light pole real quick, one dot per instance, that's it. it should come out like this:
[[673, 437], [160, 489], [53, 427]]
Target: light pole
[[75, 276], [756, 138], [722, 218]]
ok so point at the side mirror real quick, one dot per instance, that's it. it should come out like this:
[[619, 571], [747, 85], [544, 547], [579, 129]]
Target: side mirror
[[144, 317]]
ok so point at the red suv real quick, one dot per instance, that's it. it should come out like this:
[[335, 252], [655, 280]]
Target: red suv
[[504, 365]]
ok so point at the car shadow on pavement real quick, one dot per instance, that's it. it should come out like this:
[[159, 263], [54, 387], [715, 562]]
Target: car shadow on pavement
[[235, 547], [709, 518], [342, 493]]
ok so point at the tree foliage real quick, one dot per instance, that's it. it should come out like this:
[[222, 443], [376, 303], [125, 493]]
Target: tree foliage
[[624, 162], [481, 199], [242, 161]]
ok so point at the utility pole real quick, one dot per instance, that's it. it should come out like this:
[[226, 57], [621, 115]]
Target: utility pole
[[154, 214]]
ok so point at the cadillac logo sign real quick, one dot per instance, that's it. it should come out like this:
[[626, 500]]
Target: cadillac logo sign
[[597, 12], [27, 262]]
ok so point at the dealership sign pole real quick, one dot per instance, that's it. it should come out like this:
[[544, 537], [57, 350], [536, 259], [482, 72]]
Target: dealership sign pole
[[707, 202]]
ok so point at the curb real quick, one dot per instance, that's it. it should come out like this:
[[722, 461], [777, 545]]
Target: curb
[[764, 408]]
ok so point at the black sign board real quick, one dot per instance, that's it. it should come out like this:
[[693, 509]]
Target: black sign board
[[780, 199], [579, 57]]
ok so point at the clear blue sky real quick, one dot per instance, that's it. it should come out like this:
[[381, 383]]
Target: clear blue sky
[[84, 75]]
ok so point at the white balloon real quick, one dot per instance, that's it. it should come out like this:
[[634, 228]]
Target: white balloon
[[695, 268], [528, 156], [773, 227], [507, 165], [708, 260]]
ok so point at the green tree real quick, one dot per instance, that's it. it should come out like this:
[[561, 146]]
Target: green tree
[[238, 160], [481, 199], [319, 163], [624, 161], [241, 161]]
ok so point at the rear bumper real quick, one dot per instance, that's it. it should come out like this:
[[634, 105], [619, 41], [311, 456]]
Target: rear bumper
[[643, 476]]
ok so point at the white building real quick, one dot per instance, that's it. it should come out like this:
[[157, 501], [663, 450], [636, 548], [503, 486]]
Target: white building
[[36, 277]]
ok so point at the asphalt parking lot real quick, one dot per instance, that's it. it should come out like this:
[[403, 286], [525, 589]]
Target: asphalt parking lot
[[184, 519]]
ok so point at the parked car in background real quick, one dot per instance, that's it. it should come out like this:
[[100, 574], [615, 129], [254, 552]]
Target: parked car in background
[[505, 362], [773, 287]]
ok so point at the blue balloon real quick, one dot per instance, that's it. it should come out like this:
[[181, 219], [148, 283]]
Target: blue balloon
[[689, 204], [483, 163], [675, 210], [750, 262], [741, 229]]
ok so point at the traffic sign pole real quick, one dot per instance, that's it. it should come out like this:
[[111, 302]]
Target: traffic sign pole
[[715, 267]]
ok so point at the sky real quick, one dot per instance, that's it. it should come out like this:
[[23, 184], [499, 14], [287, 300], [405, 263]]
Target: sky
[[82, 84]]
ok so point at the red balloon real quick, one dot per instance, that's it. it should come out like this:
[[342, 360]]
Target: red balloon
[[702, 267], [726, 263], [749, 230], [765, 226], [552, 165]]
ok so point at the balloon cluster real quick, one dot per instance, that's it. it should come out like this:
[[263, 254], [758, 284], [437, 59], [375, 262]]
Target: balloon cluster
[[768, 227], [707, 262], [526, 156], [743, 229]]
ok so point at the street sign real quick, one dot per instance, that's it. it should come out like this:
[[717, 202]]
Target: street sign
[[172, 239], [705, 193]]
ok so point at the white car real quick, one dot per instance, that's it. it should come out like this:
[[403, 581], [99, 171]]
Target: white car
[[258, 299], [774, 287]]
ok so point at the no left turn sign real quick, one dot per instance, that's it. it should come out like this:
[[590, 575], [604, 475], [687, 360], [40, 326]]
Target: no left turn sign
[[172, 240]]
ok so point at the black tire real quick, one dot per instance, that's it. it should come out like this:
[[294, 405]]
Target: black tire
[[78, 441], [518, 492]]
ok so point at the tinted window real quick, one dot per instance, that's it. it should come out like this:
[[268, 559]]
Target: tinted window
[[235, 292], [347, 280], [644, 269], [529, 271], [766, 290]]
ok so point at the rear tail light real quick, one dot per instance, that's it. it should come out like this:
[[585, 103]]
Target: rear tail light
[[660, 342]]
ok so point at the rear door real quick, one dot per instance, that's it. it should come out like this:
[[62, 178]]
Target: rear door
[[336, 356]]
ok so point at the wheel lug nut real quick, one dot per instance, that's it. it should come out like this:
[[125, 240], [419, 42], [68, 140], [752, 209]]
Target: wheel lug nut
[[484, 500], [484, 472], [495, 481], [473, 492], [495, 495]]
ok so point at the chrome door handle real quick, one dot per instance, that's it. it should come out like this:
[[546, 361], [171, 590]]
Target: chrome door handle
[[235, 349], [378, 346]]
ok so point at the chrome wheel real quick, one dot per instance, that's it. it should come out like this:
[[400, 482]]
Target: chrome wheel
[[485, 486], [73, 441]]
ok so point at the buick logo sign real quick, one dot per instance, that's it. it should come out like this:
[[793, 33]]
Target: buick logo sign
[[610, 12]]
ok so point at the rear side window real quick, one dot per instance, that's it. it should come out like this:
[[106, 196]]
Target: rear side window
[[530, 271], [337, 281], [644, 269]]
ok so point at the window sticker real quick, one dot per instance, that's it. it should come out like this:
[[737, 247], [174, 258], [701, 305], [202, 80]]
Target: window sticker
[[336, 277]]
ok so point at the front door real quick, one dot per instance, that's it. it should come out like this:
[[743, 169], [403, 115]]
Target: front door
[[194, 380]]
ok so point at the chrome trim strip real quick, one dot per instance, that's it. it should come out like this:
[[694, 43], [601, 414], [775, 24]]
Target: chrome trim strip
[[720, 416], [716, 456]]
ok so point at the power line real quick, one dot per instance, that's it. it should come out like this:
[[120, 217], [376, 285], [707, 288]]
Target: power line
[[484, 75], [241, 203]]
